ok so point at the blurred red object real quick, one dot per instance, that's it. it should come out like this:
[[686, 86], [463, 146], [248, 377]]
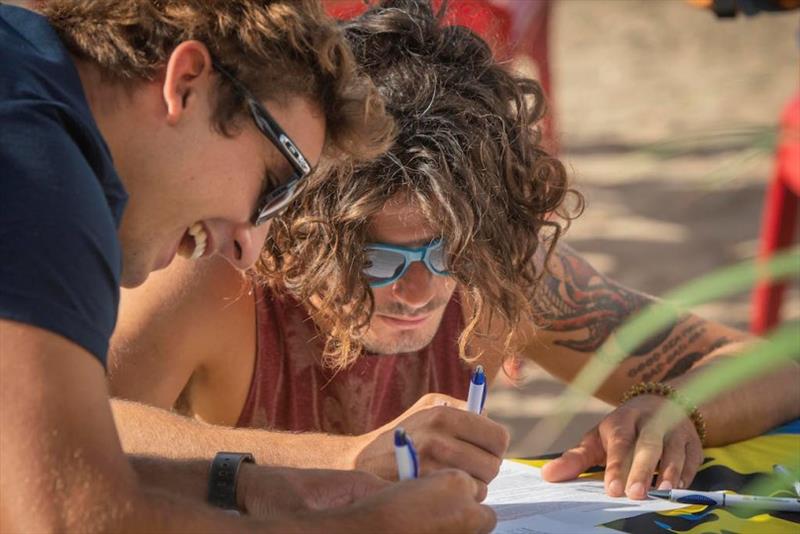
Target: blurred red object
[[516, 30], [779, 220]]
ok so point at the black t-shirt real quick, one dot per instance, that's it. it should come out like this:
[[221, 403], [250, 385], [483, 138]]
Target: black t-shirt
[[60, 197]]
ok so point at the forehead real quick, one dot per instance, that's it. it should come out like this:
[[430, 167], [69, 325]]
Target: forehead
[[401, 222]]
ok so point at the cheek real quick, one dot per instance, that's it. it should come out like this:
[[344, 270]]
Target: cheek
[[381, 295], [445, 287]]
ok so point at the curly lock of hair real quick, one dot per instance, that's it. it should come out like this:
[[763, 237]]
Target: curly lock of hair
[[468, 155]]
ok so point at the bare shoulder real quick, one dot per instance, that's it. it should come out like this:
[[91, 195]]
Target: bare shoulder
[[177, 322]]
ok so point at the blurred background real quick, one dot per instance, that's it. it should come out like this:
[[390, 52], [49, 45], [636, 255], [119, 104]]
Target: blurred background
[[667, 118]]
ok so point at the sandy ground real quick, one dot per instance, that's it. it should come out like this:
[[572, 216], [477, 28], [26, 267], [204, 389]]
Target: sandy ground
[[666, 118]]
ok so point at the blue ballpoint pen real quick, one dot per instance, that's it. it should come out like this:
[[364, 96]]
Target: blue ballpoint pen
[[406, 456], [477, 391], [720, 498]]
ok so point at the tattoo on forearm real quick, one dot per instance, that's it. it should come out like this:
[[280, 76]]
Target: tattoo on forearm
[[675, 356], [589, 307], [665, 354], [686, 363]]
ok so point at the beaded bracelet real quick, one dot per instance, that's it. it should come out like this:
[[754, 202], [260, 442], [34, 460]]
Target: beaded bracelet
[[665, 390]]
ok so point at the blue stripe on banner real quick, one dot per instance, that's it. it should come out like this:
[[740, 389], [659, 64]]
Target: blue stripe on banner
[[792, 427]]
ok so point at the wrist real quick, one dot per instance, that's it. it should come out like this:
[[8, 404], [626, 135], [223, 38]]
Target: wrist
[[225, 477], [356, 447], [668, 392], [247, 473]]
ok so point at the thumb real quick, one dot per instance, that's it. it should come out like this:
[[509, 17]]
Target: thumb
[[576, 460]]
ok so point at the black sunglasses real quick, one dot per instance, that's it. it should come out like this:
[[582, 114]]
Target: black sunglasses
[[274, 199]]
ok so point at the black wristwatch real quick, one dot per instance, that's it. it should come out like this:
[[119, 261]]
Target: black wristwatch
[[223, 476]]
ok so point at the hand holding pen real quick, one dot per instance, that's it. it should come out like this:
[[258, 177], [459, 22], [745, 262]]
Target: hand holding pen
[[444, 435]]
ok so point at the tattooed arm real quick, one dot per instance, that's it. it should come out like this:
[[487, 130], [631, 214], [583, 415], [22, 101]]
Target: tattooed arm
[[578, 310]]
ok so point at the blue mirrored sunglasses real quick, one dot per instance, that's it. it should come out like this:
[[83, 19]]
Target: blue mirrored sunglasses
[[387, 263]]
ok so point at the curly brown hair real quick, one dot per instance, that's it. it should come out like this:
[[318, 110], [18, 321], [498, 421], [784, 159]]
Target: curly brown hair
[[276, 48], [469, 156]]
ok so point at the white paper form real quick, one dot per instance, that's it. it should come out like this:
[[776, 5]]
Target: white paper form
[[526, 504]]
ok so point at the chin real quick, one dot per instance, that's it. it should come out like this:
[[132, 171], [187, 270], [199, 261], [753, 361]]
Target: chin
[[133, 277], [398, 343]]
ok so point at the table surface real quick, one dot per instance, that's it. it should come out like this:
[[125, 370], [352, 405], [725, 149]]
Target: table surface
[[737, 467]]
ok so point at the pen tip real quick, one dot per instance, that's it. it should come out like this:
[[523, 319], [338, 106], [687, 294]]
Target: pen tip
[[660, 494], [478, 377], [399, 437]]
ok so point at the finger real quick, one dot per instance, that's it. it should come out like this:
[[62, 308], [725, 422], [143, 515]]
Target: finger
[[694, 459], [649, 446], [618, 438], [672, 460], [575, 461], [457, 481], [482, 491], [472, 428], [482, 520], [437, 451]]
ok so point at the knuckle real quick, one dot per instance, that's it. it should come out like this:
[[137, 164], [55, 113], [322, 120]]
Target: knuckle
[[473, 517], [495, 467], [622, 441], [456, 480], [437, 417], [436, 447], [505, 437], [650, 441]]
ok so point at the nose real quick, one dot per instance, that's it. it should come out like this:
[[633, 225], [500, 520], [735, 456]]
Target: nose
[[415, 287], [244, 245]]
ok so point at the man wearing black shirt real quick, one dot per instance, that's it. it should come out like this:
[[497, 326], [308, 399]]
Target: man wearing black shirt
[[131, 132]]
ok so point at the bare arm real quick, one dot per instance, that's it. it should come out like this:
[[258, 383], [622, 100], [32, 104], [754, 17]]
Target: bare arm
[[61, 466], [148, 430], [580, 309]]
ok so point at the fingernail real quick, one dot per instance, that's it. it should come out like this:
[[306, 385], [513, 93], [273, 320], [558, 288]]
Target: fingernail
[[441, 403], [615, 488], [665, 485], [636, 490]]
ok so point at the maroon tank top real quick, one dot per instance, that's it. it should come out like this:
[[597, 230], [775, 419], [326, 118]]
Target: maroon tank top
[[291, 390]]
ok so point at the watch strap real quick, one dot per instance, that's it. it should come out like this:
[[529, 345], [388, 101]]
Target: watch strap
[[223, 476]]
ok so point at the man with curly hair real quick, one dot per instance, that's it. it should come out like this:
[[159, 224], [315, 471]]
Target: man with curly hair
[[384, 285], [134, 131]]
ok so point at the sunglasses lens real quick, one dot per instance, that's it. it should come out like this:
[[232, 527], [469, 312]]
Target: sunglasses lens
[[437, 258], [276, 201], [383, 265]]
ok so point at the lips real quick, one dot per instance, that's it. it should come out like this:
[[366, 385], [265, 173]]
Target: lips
[[404, 322]]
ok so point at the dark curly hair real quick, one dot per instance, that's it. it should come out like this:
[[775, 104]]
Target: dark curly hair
[[467, 154]]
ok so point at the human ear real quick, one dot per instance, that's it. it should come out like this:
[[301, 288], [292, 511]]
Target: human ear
[[188, 70]]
